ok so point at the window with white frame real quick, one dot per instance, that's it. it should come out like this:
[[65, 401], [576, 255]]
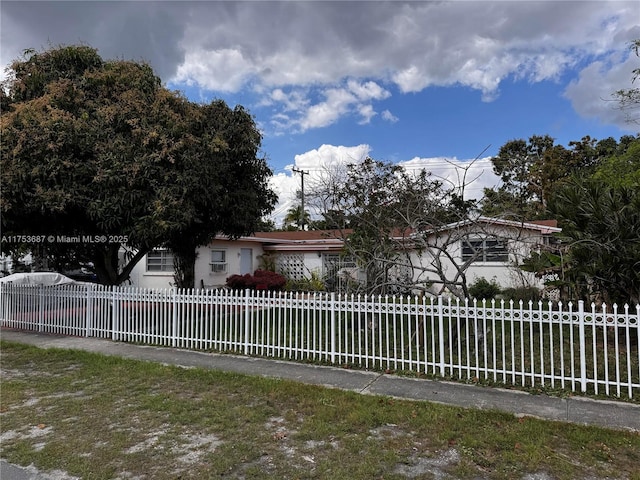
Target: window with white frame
[[218, 261], [485, 250], [160, 260]]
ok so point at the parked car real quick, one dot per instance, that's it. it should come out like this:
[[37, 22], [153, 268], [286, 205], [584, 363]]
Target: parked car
[[39, 278]]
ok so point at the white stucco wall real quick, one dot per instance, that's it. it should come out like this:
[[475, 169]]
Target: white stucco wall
[[203, 274], [141, 278], [506, 274]]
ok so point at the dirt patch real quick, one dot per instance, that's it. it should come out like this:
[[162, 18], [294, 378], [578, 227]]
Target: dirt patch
[[28, 433], [419, 466], [194, 446]]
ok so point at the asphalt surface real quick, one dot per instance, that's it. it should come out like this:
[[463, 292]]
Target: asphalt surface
[[573, 409]]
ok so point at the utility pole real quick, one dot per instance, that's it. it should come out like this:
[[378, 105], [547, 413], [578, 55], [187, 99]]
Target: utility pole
[[302, 174]]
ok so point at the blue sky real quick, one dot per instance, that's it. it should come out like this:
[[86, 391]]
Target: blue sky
[[425, 84]]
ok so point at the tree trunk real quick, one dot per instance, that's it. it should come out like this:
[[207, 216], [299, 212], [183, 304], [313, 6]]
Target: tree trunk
[[184, 262], [106, 263]]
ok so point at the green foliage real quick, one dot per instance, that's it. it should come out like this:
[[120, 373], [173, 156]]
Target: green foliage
[[369, 191], [524, 294], [623, 168], [532, 171], [265, 225], [314, 283], [268, 261], [296, 218], [226, 181], [483, 289], [598, 249], [93, 147], [382, 204], [37, 70], [600, 223]]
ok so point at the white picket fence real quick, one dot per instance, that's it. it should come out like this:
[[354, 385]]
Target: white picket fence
[[544, 345]]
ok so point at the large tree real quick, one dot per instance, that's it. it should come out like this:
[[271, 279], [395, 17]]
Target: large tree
[[524, 168], [600, 223], [530, 172], [387, 215], [226, 181], [622, 168], [101, 149], [597, 207]]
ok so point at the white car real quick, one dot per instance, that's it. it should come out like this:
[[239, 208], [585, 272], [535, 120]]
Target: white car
[[40, 278]]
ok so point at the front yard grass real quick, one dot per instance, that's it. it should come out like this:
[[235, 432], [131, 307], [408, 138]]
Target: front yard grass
[[101, 417]]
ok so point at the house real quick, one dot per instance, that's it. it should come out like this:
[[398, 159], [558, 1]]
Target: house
[[488, 248], [296, 254]]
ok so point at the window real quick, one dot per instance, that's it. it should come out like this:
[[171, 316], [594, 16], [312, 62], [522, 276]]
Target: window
[[159, 261], [218, 261], [485, 250]]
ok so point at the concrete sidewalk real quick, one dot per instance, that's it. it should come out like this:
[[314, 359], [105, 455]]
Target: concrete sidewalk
[[586, 411]]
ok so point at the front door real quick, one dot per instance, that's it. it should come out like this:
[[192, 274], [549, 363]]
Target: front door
[[246, 260]]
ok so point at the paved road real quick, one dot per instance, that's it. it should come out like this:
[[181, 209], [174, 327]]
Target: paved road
[[586, 411]]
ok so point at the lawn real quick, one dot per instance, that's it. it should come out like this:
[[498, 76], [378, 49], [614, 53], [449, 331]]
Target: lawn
[[102, 417]]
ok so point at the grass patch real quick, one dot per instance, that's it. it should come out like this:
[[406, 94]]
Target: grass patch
[[103, 417]]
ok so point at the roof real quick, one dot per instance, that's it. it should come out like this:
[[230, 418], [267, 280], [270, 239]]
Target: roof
[[545, 227], [332, 240], [303, 235], [547, 223], [304, 240], [298, 240]]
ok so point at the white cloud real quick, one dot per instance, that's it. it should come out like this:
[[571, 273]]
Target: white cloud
[[337, 103], [200, 63], [366, 113], [411, 79], [389, 117], [367, 91], [329, 156], [285, 186], [591, 94], [474, 175], [352, 98], [294, 100]]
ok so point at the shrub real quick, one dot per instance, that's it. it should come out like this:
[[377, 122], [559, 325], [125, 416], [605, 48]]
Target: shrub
[[525, 294], [260, 280], [312, 284], [483, 289]]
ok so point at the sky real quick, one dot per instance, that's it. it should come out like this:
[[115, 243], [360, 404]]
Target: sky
[[435, 85]]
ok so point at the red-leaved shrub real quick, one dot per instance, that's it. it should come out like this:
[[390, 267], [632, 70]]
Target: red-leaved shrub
[[260, 280]]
